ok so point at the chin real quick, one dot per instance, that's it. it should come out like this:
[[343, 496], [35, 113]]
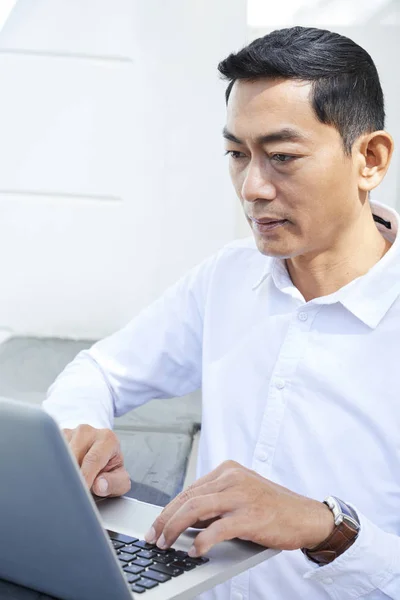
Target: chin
[[274, 250]]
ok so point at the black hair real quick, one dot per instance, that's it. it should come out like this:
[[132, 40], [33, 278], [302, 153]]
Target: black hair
[[346, 91]]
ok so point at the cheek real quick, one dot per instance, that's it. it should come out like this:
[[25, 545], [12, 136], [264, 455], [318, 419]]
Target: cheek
[[334, 174], [314, 188], [320, 205], [237, 178]]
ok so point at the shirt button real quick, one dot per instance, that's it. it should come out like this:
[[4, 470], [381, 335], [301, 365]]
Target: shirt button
[[237, 596], [263, 456], [327, 580], [303, 316], [280, 384]]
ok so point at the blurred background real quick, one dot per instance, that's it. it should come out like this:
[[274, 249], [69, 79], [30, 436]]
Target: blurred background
[[113, 181]]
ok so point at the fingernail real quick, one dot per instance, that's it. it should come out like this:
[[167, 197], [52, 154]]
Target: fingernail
[[192, 552], [161, 542], [102, 485], [150, 536]]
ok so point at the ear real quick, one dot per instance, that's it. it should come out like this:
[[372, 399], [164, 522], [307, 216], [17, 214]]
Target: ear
[[373, 153]]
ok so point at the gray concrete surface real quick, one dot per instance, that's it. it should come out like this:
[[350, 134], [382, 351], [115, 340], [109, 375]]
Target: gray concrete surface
[[29, 365]]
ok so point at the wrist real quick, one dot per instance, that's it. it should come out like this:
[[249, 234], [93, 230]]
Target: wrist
[[322, 526], [343, 535]]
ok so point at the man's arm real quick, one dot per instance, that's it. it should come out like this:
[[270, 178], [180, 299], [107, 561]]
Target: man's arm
[[369, 569], [234, 501], [157, 355]]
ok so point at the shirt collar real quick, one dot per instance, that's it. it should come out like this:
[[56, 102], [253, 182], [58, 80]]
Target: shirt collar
[[368, 297]]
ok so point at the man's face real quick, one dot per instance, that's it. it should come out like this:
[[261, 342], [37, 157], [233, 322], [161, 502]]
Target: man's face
[[297, 175]]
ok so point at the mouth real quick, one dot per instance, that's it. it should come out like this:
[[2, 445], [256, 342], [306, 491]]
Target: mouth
[[265, 225]]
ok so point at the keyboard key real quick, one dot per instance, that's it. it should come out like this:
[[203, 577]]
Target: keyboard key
[[133, 569], [181, 564], [181, 554], [146, 583], [161, 552], [117, 545], [130, 549], [202, 560], [144, 545], [160, 577], [131, 578], [171, 570], [145, 553], [123, 557], [163, 560], [120, 537], [137, 589], [142, 562]]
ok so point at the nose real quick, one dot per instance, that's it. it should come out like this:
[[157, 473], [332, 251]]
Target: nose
[[257, 184]]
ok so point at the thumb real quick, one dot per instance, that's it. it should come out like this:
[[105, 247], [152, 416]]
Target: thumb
[[112, 483]]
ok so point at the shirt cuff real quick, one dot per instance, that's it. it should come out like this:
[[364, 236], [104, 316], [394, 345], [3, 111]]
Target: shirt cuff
[[368, 565]]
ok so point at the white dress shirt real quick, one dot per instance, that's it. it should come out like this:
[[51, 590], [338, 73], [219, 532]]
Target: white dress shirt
[[305, 393]]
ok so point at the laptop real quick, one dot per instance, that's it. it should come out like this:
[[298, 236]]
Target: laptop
[[54, 537]]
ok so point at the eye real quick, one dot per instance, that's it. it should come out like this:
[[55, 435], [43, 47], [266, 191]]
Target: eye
[[282, 158], [234, 154]]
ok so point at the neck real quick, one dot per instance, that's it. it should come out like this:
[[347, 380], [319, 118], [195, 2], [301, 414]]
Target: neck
[[354, 254]]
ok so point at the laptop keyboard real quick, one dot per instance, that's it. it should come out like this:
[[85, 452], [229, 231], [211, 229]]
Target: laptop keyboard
[[145, 565]]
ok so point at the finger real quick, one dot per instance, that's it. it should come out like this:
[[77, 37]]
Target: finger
[[215, 473], [67, 434], [210, 487], [102, 451], [200, 508], [219, 531], [112, 483], [115, 462], [203, 524], [81, 440], [216, 481]]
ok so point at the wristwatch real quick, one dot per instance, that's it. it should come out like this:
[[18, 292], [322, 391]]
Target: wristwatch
[[347, 527]]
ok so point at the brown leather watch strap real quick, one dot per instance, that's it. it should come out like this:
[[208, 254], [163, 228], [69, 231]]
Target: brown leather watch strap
[[342, 537]]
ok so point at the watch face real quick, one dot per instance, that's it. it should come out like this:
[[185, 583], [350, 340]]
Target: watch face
[[347, 526], [348, 514], [351, 522]]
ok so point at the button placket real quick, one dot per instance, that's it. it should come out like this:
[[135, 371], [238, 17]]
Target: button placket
[[291, 351], [263, 456]]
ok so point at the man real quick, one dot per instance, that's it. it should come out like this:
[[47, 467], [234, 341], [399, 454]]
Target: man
[[293, 339]]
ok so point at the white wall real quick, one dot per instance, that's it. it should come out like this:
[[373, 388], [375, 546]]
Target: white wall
[[112, 181]]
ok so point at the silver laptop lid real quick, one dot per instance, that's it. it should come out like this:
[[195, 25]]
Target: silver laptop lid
[[51, 538]]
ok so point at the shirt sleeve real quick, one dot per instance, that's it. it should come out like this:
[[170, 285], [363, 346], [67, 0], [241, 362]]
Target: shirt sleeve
[[369, 569], [157, 355]]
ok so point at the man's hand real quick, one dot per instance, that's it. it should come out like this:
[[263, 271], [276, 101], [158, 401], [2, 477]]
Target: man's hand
[[233, 501], [99, 456]]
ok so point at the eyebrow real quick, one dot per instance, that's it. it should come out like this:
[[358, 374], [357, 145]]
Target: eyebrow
[[282, 135]]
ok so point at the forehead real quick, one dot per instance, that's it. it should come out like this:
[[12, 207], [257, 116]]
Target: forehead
[[259, 106]]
